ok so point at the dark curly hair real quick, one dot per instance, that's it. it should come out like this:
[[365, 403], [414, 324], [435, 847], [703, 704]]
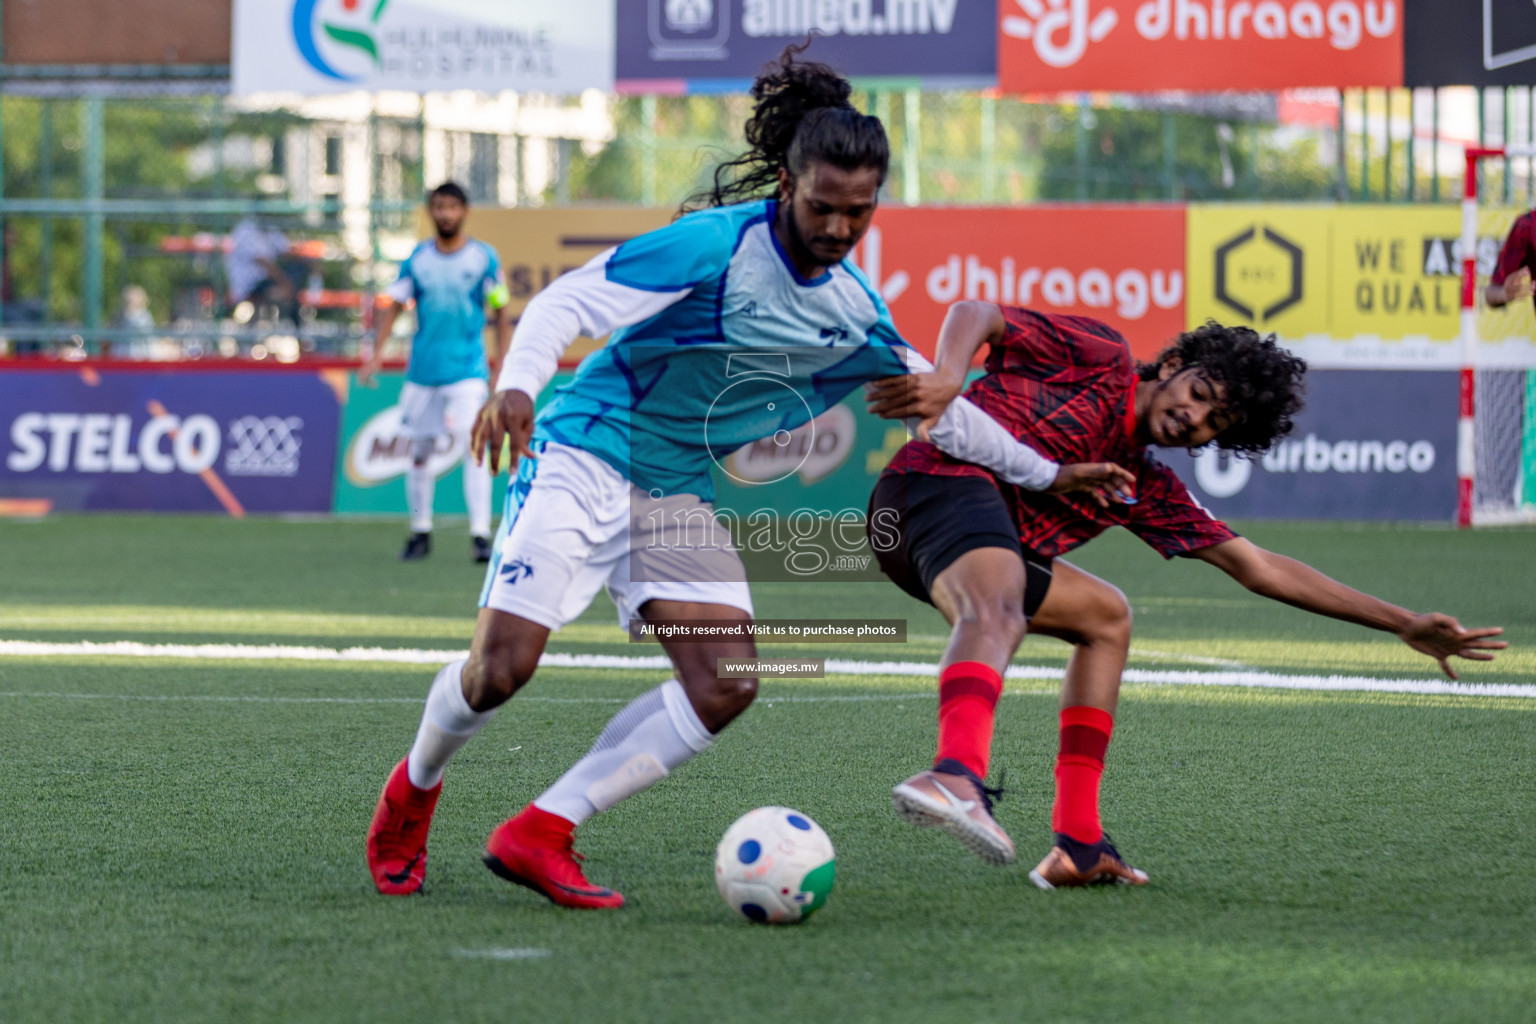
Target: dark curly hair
[[801, 114], [1264, 382]]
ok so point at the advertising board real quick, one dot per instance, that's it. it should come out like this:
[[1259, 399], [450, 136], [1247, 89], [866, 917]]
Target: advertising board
[[140, 439], [1122, 265], [373, 456], [1209, 45], [327, 46], [717, 45], [1489, 42], [1370, 444]]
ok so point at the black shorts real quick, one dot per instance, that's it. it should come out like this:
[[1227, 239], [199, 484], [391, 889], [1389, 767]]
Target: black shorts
[[920, 524]]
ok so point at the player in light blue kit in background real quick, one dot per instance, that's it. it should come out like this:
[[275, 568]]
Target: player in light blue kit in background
[[735, 323], [452, 279]]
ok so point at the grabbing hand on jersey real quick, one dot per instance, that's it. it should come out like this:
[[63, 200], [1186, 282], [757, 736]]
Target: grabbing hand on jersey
[[506, 416], [921, 395]]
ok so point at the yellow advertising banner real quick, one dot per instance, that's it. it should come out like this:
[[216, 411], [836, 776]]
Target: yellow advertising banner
[[537, 245], [1360, 285]]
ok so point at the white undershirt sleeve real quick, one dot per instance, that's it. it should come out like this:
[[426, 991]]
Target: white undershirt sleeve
[[967, 433], [582, 302]]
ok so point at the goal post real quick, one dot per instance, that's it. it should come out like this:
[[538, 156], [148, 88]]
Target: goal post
[[1496, 428]]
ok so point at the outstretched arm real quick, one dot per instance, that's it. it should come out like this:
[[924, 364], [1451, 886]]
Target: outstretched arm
[[926, 392], [582, 302], [1298, 584]]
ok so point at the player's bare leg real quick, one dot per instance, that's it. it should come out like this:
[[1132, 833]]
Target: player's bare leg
[[1095, 618], [464, 696], [981, 594], [640, 746]]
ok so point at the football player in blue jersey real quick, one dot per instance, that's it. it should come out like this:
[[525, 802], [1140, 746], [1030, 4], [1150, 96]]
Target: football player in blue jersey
[[736, 323], [452, 279]]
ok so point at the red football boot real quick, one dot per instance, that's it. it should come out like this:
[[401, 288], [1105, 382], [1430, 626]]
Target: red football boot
[[397, 836], [534, 849]]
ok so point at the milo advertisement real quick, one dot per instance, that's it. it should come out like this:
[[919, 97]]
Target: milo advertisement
[[370, 473]]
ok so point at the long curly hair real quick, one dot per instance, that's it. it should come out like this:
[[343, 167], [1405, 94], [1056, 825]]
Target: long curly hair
[[1264, 383], [801, 114]]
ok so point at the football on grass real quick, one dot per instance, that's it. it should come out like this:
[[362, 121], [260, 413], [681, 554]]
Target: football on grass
[[775, 866]]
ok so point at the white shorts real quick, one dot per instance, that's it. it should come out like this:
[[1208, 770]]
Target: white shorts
[[428, 412], [573, 524]]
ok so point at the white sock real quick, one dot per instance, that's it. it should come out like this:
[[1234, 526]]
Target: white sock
[[477, 497], [640, 745], [419, 483], [446, 725]]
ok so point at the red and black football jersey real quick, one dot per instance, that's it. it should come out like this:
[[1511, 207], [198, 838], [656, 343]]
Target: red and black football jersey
[[1065, 386]]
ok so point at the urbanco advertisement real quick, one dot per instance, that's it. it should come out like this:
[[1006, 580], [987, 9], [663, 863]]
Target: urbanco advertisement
[[1372, 444], [1122, 265], [90, 439], [1206, 45]]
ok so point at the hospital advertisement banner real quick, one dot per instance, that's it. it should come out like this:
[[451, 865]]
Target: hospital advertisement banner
[[1370, 444], [1122, 265], [721, 45], [1365, 286], [159, 440], [328, 46], [1202, 45]]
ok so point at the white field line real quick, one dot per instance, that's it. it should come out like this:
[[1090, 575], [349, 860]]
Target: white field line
[[835, 666], [501, 953], [214, 698]]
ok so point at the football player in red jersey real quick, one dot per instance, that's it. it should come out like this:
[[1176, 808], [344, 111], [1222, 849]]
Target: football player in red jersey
[[987, 555]]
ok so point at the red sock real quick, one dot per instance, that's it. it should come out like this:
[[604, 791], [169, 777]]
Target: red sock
[[968, 692], [1079, 765]]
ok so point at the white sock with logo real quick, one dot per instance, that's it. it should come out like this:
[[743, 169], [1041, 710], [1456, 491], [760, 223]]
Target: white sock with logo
[[446, 725], [419, 484], [477, 497], [639, 746]]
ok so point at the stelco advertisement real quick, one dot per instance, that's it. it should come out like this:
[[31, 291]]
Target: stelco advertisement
[[230, 441]]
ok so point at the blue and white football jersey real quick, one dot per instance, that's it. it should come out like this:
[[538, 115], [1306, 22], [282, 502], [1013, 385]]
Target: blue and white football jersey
[[451, 290], [747, 349]]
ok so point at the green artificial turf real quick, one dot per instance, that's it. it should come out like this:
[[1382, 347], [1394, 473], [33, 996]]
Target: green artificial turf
[[183, 839]]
